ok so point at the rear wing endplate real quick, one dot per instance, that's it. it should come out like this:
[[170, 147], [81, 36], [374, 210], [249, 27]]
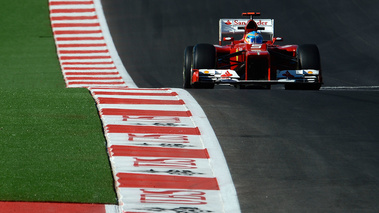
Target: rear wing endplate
[[229, 27]]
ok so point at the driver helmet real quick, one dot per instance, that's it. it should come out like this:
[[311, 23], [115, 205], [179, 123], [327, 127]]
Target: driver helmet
[[254, 37]]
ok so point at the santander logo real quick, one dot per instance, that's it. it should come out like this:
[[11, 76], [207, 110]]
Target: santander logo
[[260, 22], [228, 22], [236, 22], [226, 74], [239, 22]]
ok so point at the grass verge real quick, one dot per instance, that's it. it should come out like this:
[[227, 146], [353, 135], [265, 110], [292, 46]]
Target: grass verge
[[51, 143]]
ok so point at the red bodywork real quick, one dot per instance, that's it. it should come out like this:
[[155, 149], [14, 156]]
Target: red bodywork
[[260, 60], [251, 61]]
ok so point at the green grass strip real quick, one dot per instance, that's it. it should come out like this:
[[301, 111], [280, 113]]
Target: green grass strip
[[51, 143]]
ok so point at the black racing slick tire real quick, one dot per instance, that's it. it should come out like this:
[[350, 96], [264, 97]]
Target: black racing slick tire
[[187, 63], [204, 57], [308, 57]]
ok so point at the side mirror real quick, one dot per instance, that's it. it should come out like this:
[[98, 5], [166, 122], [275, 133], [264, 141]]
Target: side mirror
[[231, 39], [277, 39]]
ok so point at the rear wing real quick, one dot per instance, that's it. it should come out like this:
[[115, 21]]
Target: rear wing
[[229, 27]]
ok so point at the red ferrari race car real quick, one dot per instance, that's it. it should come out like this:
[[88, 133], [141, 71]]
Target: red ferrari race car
[[253, 61]]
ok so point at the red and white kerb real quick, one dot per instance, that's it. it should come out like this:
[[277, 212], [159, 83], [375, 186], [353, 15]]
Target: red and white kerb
[[82, 50], [164, 154]]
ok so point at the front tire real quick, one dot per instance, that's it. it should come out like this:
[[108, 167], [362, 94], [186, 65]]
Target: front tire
[[187, 74], [308, 57], [204, 57]]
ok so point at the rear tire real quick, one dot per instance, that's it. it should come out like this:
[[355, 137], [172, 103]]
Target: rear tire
[[204, 57], [308, 57], [187, 75]]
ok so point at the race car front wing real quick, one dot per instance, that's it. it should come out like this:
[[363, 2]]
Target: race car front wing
[[227, 76]]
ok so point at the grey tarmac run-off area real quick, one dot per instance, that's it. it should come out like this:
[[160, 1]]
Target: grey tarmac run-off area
[[288, 151]]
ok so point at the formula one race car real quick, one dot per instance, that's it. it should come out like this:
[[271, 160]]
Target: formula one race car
[[253, 61]]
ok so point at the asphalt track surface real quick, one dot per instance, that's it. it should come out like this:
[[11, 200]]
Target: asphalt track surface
[[288, 151]]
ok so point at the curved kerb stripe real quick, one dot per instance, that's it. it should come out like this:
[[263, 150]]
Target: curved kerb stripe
[[163, 151]]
